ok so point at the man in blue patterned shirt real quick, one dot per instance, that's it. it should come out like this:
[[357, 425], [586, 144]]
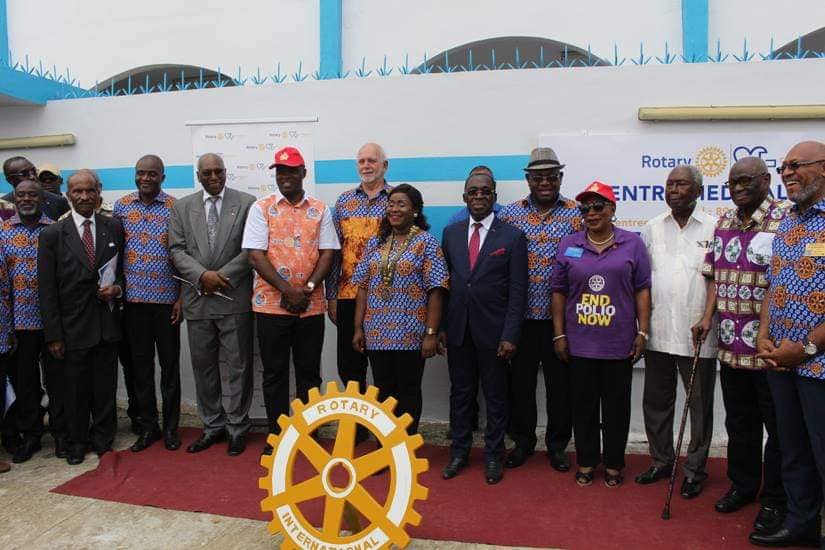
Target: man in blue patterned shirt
[[791, 340], [153, 308], [19, 246], [545, 217]]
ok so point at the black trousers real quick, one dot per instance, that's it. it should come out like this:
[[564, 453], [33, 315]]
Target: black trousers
[[749, 406], [124, 356], [91, 384], [468, 364], [351, 364], [536, 350], [277, 336], [25, 376], [398, 374], [149, 327], [5, 360], [800, 409], [604, 383]]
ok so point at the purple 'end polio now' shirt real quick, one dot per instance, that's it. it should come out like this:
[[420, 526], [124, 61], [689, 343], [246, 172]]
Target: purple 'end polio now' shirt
[[600, 313]]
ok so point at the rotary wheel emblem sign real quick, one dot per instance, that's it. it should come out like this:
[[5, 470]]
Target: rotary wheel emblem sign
[[385, 521]]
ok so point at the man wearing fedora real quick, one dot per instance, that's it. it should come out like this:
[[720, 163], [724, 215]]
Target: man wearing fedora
[[545, 217]]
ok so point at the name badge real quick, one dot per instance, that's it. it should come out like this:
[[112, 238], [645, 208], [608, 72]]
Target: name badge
[[574, 252], [815, 249]]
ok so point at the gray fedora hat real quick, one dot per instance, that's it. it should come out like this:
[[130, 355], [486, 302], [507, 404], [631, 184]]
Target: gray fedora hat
[[543, 158]]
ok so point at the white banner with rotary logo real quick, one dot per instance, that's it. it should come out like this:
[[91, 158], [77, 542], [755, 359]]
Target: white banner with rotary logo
[[637, 166], [248, 148]]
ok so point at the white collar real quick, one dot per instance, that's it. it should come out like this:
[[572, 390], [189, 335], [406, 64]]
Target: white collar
[[78, 219], [485, 223], [207, 196]]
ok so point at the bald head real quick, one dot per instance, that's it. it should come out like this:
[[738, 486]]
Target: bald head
[[372, 165], [209, 158], [803, 173]]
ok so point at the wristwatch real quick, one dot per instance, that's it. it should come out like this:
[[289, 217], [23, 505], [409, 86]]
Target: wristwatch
[[310, 285], [431, 331], [810, 349]]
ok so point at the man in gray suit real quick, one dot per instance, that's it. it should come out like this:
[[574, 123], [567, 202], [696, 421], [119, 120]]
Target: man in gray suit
[[205, 234]]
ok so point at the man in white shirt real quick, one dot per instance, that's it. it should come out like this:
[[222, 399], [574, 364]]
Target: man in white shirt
[[677, 242]]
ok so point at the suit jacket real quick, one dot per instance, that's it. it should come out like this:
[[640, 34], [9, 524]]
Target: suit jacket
[[488, 301], [68, 284], [189, 250], [54, 205]]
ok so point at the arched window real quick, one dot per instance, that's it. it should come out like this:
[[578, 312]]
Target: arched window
[[163, 78], [510, 52], [810, 45]]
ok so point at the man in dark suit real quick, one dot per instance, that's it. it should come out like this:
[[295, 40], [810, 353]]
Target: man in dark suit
[[487, 259], [17, 169], [79, 266], [205, 237]]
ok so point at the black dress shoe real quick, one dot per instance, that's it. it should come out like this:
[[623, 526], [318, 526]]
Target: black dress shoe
[[25, 451], [171, 440], [135, 425], [769, 520], [11, 441], [456, 464], [493, 472], [205, 441], [144, 440], [732, 501], [75, 458], [654, 474], [559, 461], [236, 445], [100, 451], [784, 537], [690, 488], [517, 457], [61, 447]]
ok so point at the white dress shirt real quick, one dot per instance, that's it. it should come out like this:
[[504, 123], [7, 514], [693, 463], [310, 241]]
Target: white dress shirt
[[218, 203], [78, 222], [482, 231], [678, 289]]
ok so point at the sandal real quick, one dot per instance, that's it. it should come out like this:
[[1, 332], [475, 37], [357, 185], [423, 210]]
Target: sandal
[[583, 479], [613, 480]]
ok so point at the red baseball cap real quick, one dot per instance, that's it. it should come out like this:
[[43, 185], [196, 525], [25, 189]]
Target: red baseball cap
[[288, 156], [599, 189]]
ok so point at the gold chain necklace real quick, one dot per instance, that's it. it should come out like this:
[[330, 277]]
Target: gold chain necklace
[[390, 260], [599, 243]]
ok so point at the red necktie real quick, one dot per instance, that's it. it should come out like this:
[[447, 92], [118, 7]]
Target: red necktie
[[88, 242], [475, 244]]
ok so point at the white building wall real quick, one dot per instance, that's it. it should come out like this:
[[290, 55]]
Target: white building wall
[[733, 21]]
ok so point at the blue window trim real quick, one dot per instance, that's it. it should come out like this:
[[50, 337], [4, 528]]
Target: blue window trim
[[695, 30], [4, 34]]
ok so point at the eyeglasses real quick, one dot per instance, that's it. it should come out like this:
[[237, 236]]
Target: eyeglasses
[[795, 165], [596, 206], [538, 178], [479, 192], [209, 172], [31, 172], [745, 182]]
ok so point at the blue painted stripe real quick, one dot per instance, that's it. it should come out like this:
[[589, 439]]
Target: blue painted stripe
[[4, 33], [695, 30], [505, 167], [437, 217], [331, 21], [123, 179]]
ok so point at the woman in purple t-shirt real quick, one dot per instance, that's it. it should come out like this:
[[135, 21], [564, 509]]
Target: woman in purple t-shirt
[[601, 315]]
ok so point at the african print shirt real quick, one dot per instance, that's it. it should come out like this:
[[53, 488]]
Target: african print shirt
[[544, 232], [6, 319], [147, 268], [399, 322], [356, 220], [737, 263], [797, 278], [19, 244]]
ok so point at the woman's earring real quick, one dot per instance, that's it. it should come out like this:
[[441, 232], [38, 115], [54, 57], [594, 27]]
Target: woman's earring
[[613, 218]]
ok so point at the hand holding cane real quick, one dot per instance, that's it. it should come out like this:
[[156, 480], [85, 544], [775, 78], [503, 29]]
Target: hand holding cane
[[689, 393]]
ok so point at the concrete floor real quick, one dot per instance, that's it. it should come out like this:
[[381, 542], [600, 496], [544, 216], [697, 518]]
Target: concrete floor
[[31, 517]]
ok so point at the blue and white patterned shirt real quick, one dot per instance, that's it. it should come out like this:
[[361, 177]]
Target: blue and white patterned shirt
[[147, 268], [6, 319], [544, 232], [19, 245], [797, 282]]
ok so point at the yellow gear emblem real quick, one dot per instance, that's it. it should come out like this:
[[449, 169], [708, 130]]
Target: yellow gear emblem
[[711, 161], [396, 452]]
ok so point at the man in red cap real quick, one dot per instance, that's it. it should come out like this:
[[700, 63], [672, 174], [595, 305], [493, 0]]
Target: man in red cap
[[291, 242]]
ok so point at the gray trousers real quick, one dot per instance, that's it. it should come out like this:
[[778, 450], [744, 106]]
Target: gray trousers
[[224, 341], [659, 403]]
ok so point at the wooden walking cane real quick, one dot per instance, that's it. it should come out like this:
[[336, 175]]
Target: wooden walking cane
[[666, 511]]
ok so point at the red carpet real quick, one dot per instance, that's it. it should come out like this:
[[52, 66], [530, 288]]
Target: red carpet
[[533, 506]]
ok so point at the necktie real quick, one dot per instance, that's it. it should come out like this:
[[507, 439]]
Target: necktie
[[212, 221], [89, 242], [475, 244]]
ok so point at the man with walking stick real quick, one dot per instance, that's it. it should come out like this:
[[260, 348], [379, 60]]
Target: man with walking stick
[[677, 241]]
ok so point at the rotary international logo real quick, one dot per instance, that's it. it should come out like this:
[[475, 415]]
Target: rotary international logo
[[344, 494], [711, 161], [596, 283]]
